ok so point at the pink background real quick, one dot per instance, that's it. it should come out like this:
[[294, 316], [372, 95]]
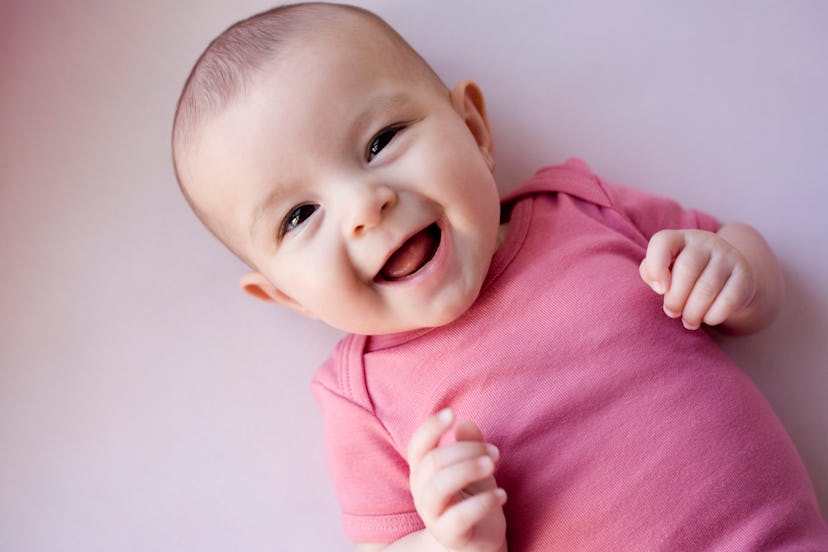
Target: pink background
[[146, 404]]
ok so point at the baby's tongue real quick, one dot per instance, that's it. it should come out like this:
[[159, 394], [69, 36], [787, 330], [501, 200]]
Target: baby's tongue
[[413, 254]]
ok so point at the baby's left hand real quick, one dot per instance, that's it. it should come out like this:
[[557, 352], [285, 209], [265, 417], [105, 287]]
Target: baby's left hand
[[702, 277]]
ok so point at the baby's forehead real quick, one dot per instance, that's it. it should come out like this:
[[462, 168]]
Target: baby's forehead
[[374, 39]]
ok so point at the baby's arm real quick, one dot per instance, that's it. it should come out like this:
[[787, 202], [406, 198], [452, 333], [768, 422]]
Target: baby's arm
[[454, 491], [730, 278]]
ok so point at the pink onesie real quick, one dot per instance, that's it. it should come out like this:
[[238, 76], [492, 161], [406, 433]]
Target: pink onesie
[[618, 428]]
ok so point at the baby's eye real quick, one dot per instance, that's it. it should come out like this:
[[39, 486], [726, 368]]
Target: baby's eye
[[296, 217], [381, 140]]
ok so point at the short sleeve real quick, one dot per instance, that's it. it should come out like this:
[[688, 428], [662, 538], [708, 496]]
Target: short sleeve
[[632, 212], [651, 213], [369, 474]]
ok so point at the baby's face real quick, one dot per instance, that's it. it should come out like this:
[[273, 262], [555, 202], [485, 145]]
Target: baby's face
[[354, 186]]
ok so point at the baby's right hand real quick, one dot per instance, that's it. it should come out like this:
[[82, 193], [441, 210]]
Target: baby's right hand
[[453, 487]]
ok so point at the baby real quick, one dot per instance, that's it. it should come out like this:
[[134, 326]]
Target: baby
[[498, 346]]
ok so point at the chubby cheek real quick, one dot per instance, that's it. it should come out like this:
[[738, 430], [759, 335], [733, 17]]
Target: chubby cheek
[[463, 166], [330, 294], [478, 226], [472, 194], [297, 273]]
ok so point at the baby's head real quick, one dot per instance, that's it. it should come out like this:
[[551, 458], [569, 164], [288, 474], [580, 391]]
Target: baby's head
[[322, 150]]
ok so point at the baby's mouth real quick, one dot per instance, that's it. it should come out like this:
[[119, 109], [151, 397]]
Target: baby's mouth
[[413, 255]]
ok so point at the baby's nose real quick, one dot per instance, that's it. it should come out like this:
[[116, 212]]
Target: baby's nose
[[369, 205]]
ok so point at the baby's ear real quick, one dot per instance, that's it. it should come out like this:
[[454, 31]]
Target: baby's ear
[[256, 285], [467, 100]]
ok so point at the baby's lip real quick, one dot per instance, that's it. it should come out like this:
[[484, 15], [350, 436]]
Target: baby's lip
[[413, 253]]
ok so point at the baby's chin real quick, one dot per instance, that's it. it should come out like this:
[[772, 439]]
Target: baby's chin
[[434, 318]]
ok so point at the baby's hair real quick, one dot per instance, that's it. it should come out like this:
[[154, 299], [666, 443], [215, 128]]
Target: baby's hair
[[237, 55]]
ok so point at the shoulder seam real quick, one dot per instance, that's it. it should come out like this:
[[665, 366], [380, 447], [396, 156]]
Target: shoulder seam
[[345, 398]]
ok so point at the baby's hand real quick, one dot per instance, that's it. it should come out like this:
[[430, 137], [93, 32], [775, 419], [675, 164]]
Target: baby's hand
[[702, 277], [453, 487]]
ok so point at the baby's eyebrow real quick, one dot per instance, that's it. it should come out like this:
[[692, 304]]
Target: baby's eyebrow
[[378, 104], [272, 198]]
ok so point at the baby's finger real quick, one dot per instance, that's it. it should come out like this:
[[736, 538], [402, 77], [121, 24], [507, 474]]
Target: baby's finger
[[662, 249], [467, 430], [687, 268], [428, 435], [445, 456], [735, 295], [461, 518], [442, 489], [704, 293]]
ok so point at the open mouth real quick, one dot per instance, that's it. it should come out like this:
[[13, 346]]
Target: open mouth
[[413, 255]]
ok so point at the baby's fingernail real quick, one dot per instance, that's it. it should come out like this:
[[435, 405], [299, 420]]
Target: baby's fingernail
[[493, 452], [501, 495], [671, 313], [445, 416], [689, 326], [658, 287]]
